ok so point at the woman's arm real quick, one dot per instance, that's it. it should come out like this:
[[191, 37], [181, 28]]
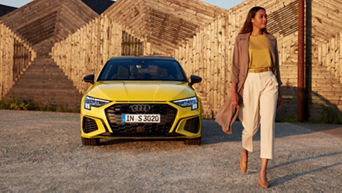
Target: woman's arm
[[280, 94], [235, 70], [277, 64], [280, 98], [234, 77]]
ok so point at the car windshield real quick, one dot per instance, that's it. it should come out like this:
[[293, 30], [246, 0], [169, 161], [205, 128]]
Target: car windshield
[[145, 69]]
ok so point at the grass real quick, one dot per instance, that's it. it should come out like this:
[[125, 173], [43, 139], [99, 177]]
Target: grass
[[13, 103], [287, 119], [329, 116]]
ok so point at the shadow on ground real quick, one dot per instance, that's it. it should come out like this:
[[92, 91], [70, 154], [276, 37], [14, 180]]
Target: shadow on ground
[[213, 134], [283, 179]]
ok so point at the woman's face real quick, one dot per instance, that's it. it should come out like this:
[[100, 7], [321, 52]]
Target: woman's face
[[260, 19]]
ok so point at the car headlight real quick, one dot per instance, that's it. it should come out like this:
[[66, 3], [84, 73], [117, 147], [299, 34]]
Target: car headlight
[[187, 102], [94, 102]]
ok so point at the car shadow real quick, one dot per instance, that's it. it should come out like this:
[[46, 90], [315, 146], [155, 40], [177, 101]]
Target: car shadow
[[105, 142], [144, 145]]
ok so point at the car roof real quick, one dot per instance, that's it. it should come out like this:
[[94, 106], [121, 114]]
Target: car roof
[[142, 58]]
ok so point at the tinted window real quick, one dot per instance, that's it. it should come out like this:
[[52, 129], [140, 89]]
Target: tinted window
[[142, 70]]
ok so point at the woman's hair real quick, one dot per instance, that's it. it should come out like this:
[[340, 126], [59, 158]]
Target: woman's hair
[[248, 26]]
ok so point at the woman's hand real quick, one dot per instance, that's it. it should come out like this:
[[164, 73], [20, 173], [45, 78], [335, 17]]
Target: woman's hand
[[235, 100], [235, 97], [280, 99]]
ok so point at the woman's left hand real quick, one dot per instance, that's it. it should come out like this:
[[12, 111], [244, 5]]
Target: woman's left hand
[[280, 99]]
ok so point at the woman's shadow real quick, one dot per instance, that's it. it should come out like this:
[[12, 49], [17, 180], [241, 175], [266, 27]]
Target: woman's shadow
[[283, 179]]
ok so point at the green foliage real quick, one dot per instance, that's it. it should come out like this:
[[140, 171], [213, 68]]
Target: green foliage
[[287, 119], [330, 115], [18, 104]]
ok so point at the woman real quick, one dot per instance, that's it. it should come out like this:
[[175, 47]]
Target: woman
[[255, 93]]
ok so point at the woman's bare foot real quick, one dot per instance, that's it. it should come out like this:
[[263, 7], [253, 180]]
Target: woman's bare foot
[[262, 181]]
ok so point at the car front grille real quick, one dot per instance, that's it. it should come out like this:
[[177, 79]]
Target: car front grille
[[167, 117], [89, 125]]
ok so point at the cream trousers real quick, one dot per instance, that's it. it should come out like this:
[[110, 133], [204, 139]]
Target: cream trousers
[[258, 109]]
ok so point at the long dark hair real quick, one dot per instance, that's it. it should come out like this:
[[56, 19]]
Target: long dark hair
[[248, 26]]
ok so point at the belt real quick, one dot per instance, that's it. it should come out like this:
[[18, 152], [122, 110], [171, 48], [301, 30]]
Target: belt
[[257, 70]]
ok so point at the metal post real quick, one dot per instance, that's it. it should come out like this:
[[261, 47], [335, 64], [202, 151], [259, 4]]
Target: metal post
[[300, 107]]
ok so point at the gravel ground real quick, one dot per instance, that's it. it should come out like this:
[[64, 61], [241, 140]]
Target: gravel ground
[[42, 152]]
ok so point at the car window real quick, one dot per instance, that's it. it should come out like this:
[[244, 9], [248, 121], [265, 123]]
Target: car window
[[142, 70]]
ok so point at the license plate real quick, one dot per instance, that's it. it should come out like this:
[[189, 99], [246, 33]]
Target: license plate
[[140, 118]]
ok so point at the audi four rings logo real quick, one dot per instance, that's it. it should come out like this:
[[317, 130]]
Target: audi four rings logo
[[140, 108]]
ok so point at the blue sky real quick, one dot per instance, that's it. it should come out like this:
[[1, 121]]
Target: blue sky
[[227, 4]]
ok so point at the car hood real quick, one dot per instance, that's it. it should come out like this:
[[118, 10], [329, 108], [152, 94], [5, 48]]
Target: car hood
[[140, 90]]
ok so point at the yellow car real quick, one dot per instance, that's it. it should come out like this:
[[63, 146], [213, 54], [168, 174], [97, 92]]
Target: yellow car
[[141, 97]]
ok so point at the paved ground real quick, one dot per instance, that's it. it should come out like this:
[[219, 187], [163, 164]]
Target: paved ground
[[41, 152]]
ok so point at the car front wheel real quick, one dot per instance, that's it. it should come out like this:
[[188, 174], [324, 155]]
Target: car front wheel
[[194, 141], [92, 142]]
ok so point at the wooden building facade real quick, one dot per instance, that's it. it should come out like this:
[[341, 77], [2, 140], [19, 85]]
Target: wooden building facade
[[199, 35]]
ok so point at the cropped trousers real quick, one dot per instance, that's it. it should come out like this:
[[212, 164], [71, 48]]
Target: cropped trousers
[[258, 109]]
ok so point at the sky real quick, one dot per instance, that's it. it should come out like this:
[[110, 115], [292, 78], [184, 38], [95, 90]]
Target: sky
[[227, 4]]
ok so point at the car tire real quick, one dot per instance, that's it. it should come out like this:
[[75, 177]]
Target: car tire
[[90, 142], [194, 141]]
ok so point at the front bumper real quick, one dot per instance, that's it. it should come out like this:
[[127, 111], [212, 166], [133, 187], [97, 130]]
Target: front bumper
[[176, 122]]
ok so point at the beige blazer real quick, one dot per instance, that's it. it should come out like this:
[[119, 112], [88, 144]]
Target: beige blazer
[[227, 113]]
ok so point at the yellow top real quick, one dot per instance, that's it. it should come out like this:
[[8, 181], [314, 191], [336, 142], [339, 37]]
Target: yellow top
[[259, 53]]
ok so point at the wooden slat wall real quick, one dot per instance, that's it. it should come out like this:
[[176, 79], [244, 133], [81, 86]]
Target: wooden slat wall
[[6, 59], [131, 46], [327, 73], [77, 10], [39, 29], [129, 13], [86, 51], [164, 23], [22, 58], [174, 21], [205, 55], [15, 57], [330, 55], [284, 20], [72, 15], [326, 20], [48, 19], [287, 47]]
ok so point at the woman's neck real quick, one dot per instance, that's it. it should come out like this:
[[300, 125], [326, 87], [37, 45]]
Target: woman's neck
[[256, 32]]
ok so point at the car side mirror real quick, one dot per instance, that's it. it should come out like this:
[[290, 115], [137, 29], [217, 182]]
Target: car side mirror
[[195, 79], [89, 78]]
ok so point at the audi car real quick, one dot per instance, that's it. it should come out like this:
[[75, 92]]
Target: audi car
[[141, 98]]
